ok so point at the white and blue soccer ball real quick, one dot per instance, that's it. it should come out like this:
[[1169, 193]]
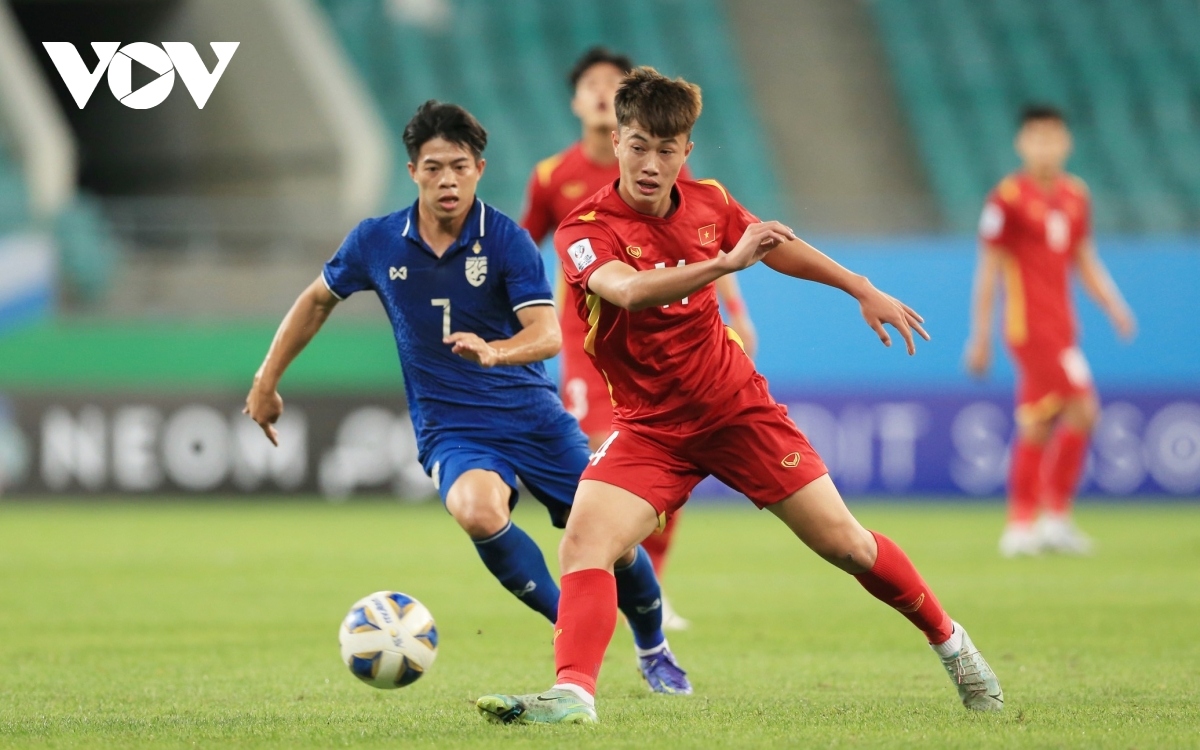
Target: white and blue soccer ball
[[388, 639]]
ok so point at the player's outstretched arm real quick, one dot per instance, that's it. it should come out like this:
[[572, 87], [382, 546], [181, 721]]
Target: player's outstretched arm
[[309, 312], [631, 289], [1103, 290], [540, 338], [730, 295], [978, 355], [801, 260]]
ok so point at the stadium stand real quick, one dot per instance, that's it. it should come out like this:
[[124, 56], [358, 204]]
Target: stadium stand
[[14, 199], [506, 62], [1127, 74], [87, 248]]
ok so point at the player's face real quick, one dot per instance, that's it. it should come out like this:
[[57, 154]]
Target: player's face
[[594, 94], [446, 175], [1044, 146], [649, 167]]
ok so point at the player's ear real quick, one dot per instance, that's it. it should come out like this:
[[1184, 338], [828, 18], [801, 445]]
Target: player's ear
[[687, 150], [480, 163], [412, 171], [616, 139]]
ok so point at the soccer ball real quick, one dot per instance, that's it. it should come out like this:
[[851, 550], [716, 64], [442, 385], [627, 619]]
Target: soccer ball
[[388, 639]]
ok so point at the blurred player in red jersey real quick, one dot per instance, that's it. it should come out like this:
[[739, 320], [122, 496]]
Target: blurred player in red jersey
[[556, 186], [1036, 228], [644, 253]]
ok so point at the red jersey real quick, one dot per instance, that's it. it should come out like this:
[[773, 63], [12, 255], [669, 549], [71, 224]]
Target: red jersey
[[674, 362], [557, 185], [1038, 232]]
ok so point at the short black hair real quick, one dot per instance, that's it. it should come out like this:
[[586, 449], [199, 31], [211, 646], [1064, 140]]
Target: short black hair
[[663, 106], [596, 56], [1040, 111], [451, 122]]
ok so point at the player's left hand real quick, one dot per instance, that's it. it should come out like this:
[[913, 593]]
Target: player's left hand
[[879, 308], [470, 346]]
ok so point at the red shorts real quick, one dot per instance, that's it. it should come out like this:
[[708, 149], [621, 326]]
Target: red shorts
[[585, 394], [1047, 380], [751, 445]]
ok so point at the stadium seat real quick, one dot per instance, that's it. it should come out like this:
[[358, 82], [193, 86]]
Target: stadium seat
[[1126, 74], [513, 79]]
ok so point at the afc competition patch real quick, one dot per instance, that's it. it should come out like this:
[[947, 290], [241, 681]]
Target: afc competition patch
[[476, 269], [582, 254]]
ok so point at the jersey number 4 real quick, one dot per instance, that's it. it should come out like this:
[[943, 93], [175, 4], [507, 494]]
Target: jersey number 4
[[444, 303], [602, 451]]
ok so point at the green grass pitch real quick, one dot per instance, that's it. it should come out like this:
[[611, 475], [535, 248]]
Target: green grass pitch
[[215, 625]]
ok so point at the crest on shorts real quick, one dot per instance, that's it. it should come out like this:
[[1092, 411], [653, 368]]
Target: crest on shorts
[[477, 270], [791, 460]]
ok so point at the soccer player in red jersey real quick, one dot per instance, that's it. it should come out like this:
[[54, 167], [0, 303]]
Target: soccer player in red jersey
[[1036, 229], [556, 186], [644, 253]]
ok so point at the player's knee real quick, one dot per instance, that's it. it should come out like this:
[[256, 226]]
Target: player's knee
[[479, 515], [1084, 414], [1035, 431], [850, 547], [580, 551]]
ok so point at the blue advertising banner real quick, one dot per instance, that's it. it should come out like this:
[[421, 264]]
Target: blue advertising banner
[[958, 443]]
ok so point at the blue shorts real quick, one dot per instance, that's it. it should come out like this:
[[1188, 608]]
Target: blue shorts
[[548, 459]]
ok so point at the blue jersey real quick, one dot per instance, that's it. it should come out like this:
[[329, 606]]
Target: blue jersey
[[490, 272]]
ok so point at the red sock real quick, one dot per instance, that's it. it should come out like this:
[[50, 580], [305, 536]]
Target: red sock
[[1023, 481], [587, 617], [657, 545], [894, 581], [1068, 451]]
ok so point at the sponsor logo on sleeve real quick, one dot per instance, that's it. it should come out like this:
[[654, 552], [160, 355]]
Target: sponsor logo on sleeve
[[991, 222], [582, 254]]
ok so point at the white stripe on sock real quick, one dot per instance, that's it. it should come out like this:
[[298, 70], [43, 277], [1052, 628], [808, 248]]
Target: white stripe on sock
[[643, 653], [951, 645]]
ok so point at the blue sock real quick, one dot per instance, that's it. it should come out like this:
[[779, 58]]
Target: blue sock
[[517, 562], [640, 599]]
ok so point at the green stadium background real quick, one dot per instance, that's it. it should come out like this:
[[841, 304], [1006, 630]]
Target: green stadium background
[[146, 255]]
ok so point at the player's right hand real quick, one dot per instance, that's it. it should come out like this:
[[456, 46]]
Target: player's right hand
[[978, 358], [1124, 323], [758, 240], [265, 406]]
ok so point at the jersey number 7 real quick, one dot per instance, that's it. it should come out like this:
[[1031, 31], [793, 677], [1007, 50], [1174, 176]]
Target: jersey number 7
[[444, 303]]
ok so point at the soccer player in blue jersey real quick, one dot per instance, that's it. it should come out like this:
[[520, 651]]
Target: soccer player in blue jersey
[[474, 318]]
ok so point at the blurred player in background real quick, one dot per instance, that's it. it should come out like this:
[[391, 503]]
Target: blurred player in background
[[1036, 229], [467, 295], [557, 185], [689, 402]]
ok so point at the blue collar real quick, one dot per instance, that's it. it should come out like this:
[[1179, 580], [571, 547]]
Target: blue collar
[[473, 228]]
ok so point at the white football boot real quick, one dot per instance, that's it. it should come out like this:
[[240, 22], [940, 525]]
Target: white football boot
[[978, 688], [671, 619], [1020, 540], [1059, 534]]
